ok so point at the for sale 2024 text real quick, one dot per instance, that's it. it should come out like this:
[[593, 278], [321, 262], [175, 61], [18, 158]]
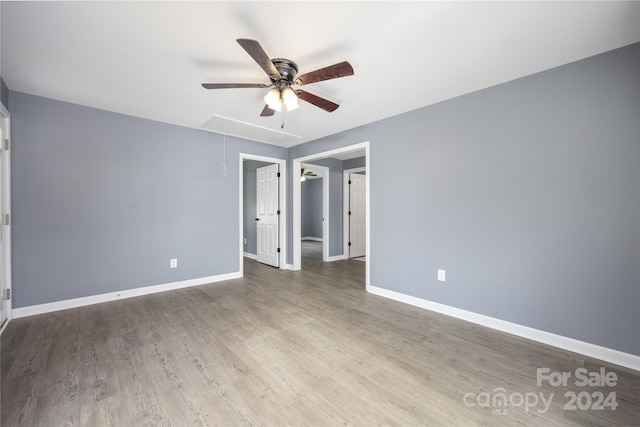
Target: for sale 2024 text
[[582, 377]]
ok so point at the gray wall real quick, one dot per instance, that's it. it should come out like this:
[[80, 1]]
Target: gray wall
[[527, 193], [358, 162], [249, 205], [102, 201], [311, 208], [4, 90]]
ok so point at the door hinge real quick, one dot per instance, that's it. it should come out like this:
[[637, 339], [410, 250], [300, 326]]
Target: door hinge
[[278, 250], [5, 144], [349, 182], [349, 243], [278, 175], [6, 219], [278, 212], [6, 295], [349, 212]]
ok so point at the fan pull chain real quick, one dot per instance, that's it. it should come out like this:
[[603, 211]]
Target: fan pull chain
[[283, 114], [224, 145]]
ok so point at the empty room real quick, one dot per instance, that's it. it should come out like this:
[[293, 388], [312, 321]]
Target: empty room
[[319, 213]]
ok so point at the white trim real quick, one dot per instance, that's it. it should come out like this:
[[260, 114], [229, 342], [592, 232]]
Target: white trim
[[282, 226], [336, 258], [289, 267], [620, 358], [32, 310], [325, 207], [345, 208], [249, 255], [313, 239], [296, 165], [6, 202]]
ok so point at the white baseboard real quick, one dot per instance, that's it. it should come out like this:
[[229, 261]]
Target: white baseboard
[[251, 256], [627, 360], [315, 239], [335, 258], [112, 296]]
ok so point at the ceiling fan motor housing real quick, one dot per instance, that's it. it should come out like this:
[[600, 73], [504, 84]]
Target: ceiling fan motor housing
[[287, 69]]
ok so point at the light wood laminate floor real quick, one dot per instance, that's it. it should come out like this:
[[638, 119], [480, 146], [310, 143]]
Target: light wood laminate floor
[[281, 348]]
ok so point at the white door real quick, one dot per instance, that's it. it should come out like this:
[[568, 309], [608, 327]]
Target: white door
[[267, 214], [3, 227], [357, 215]]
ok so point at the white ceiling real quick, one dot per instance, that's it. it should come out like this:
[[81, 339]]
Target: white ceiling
[[148, 59]]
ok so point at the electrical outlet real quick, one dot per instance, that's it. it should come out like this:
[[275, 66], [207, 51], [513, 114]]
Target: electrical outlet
[[442, 275], [173, 263]]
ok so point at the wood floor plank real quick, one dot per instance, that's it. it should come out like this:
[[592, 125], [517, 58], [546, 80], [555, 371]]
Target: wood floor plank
[[278, 348]]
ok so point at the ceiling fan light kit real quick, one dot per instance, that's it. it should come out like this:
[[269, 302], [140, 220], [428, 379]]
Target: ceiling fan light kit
[[273, 99], [290, 99], [276, 97], [283, 73]]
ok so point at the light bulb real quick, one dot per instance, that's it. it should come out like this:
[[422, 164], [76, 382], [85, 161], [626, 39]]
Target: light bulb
[[290, 99], [273, 99]]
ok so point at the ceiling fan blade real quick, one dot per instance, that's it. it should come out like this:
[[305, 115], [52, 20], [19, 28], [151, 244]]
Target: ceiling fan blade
[[258, 54], [342, 69], [232, 85], [266, 111], [325, 104]]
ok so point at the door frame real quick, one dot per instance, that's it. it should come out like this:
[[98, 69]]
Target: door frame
[[5, 193], [297, 162], [282, 223], [325, 208], [345, 208]]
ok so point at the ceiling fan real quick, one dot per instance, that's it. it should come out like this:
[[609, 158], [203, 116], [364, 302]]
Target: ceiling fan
[[283, 74], [305, 173]]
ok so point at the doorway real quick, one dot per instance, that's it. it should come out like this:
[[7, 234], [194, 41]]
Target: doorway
[[296, 240], [314, 211]]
